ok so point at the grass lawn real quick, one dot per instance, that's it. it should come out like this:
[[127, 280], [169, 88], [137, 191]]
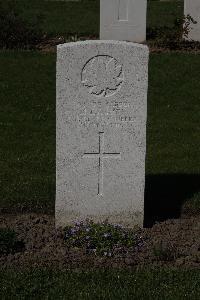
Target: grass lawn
[[82, 18], [27, 131], [173, 114], [163, 13], [149, 284]]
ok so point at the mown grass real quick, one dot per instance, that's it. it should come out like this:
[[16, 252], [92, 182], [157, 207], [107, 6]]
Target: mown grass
[[144, 284], [161, 14], [82, 18], [27, 130], [173, 114], [63, 18], [27, 124]]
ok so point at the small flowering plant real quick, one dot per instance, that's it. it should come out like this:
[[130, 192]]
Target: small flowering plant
[[101, 238]]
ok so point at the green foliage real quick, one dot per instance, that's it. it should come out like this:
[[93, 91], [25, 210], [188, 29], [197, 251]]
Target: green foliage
[[103, 239], [173, 37], [16, 32], [185, 24]]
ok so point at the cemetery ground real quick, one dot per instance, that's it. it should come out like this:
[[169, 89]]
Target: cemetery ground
[[82, 18], [164, 262]]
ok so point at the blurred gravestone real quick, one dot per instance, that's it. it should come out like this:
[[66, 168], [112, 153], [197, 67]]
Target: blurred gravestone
[[192, 8], [123, 20], [101, 131]]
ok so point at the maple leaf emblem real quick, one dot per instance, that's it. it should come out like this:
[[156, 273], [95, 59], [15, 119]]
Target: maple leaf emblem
[[102, 75]]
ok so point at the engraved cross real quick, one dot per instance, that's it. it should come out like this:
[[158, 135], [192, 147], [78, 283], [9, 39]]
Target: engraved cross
[[101, 155], [123, 10]]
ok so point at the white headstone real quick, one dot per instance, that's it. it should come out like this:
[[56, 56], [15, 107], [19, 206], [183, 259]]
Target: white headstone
[[123, 20], [192, 8], [101, 131]]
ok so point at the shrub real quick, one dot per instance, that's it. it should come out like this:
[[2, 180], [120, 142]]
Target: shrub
[[173, 37], [15, 31]]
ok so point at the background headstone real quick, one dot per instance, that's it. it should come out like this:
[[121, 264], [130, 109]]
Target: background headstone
[[101, 131], [192, 8], [123, 20]]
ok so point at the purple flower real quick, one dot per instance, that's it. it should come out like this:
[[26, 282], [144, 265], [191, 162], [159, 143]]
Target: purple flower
[[78, 223], [73, 231], [107, 235], [117, 226]]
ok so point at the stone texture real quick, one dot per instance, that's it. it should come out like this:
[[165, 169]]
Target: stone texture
[[192, 8], [123, 20], [101, 131]]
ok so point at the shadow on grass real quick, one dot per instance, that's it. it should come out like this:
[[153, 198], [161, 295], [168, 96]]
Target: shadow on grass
[[165, 195]]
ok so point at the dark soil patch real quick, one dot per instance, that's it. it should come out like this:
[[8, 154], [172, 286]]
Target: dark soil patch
[[50, 44], [172, 243]]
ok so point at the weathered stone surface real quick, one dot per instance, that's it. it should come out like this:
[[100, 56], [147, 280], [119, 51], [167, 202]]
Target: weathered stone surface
[[123, 20], [192, 8], [101, 131]]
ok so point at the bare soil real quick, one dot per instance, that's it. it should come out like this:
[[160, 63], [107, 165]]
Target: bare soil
[[50, 44], [172, 243]]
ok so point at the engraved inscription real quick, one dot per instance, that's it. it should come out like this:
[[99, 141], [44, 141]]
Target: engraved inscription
[[103, 76], [115, 114], [101, 155]]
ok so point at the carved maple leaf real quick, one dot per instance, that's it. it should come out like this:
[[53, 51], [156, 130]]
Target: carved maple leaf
[[103, 75]]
